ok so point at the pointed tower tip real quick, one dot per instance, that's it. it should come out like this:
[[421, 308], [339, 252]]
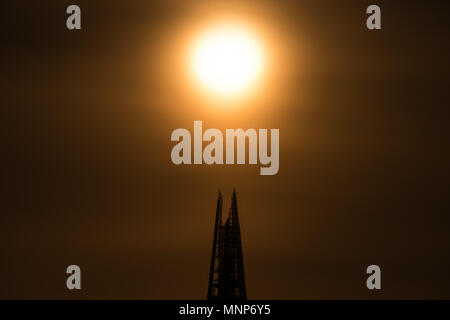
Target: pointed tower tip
[[234, 197]]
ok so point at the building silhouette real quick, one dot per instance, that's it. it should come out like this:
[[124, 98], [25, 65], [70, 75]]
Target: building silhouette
[[226, 275]]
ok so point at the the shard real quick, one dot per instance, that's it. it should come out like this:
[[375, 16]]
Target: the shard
[[227, 277]]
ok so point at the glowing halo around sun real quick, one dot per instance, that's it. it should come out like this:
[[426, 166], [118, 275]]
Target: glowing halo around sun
[[227, 59]]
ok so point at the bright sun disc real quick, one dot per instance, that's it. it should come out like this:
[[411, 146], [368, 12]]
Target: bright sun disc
[[227, 59]]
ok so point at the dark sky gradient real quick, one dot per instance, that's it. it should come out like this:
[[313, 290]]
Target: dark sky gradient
[[87, 179]]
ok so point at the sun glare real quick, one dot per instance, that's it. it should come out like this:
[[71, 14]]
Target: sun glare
[[227, 59]]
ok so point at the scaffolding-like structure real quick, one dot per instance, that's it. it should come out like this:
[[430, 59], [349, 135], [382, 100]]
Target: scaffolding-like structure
[[226, 275]]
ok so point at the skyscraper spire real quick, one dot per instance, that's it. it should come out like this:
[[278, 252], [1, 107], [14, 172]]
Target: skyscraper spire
[[227, 277]]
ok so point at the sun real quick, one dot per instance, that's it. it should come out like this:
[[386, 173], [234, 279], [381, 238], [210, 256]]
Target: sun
[[227, 59]]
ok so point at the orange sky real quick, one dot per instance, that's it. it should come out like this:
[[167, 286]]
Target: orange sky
[[87, 118]]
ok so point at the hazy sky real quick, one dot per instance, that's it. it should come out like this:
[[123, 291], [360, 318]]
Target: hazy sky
[[87, 177]]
